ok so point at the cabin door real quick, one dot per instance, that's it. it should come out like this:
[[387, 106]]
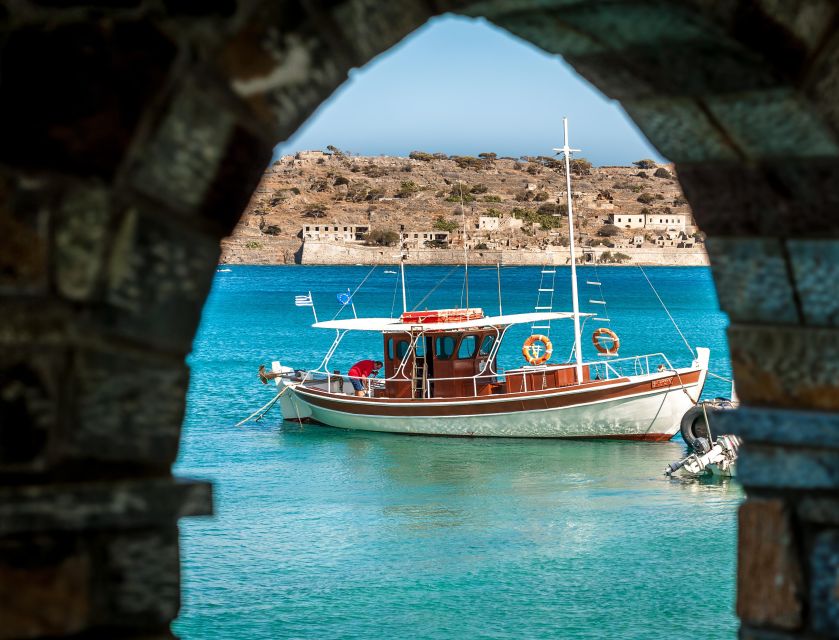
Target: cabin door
[[398, 383]]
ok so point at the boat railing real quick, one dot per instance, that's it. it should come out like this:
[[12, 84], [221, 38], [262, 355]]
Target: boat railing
[[630, 366], [602, 370]]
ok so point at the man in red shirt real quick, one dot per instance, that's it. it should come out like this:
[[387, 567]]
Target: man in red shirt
[[362, 370]]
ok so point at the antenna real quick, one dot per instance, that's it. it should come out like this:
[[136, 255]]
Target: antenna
[[465, 249], [567, 151]]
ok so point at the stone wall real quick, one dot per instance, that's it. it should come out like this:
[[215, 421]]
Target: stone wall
[[342, 254], [133, 134]]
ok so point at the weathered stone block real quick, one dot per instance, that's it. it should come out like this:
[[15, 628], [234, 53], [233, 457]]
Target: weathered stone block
[[822, 83], [807, 21], [371, 27], [81, 242], [729, 199], [178, 163], [119, 414], [158, 276], [824, 583], [24, 229], [681, 129], [86, 506], [143, 574], [546, 30], [767, 466], [283, 76], [818, 509], [815, 266], [779, 426], [235, 180], [31, 402], [752, 280], [773, 123], [790, 367], [769, 579], [45, 587], [73, 94]]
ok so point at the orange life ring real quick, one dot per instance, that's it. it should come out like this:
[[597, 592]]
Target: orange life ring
[[527, 349], [611, 335]]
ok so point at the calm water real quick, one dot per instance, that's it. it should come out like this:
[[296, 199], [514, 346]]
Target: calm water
[[321, 533]]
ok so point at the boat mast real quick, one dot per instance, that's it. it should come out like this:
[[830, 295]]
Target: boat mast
[[567, 151], [402, 255], [465, 249]]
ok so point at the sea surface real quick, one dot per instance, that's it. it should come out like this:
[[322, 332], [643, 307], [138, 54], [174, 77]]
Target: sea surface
[[323, 533]]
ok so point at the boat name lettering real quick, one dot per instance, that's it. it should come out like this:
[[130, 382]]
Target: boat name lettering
[[663, 382]]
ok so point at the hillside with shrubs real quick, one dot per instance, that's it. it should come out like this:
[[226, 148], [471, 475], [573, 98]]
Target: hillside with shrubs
[[428, 192]]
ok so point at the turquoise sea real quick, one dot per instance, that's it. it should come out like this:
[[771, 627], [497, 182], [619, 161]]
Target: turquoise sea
[[321, 533]]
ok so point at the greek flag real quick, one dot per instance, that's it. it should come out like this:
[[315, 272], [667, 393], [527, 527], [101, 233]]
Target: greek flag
[[303, 301]]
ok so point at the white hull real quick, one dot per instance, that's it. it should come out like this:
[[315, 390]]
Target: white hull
[[653, 414], [652, 417]]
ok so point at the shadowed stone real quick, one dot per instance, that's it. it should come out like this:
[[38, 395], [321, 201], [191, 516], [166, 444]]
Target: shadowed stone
[[769, 581], [815, 266], [681, 130], [80, 242], [158, 274], [786, 367], [118, 415], [546, 30], [183, 155], [824, 585], [45, 588], [773, 123], [752, 280], [370, 27], [763, 465], [99, 505], [778, 426], [72, 95], [144, 568], [30, 401], [24, 223]]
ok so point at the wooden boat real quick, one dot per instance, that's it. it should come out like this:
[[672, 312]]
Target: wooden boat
[[441, 378]]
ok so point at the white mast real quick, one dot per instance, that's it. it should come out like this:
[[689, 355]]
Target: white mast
[[567, 151], [402, 257]]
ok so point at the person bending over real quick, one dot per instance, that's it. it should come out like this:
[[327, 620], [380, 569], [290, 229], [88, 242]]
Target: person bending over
[[361, 371]]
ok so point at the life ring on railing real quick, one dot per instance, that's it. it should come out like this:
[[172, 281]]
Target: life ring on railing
[[602, 348], [527, 349]]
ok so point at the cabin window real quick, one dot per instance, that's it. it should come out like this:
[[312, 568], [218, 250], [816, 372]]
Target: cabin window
[[401, 349], [467, 348], [486, 345], [444, 347], [390, 348]]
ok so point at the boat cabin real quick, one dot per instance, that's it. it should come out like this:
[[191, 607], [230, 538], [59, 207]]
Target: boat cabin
[[453, 353]]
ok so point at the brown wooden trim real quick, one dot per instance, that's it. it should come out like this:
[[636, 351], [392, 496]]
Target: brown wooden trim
[[531, 401]]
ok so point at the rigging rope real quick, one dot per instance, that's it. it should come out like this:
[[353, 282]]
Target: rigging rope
[[436, 286], [667, 311], [361, 284]]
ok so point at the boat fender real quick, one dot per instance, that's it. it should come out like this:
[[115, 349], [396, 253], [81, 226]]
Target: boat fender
[[602, 332], [527, 349], [694, 427]]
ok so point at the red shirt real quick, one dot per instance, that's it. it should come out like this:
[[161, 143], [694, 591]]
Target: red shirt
[[362, 369]]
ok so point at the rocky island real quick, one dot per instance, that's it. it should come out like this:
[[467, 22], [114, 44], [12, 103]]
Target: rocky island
[[331, 207]]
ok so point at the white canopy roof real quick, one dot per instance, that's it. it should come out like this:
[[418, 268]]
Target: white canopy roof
[[394, 324]]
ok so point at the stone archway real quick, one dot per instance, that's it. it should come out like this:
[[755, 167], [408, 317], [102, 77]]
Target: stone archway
[[133, 134]]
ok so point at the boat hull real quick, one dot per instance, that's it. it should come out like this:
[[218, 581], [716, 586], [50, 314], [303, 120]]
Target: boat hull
[[631, 409]]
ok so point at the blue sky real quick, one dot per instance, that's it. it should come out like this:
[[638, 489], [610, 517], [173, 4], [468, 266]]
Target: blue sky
[[463, 86]]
